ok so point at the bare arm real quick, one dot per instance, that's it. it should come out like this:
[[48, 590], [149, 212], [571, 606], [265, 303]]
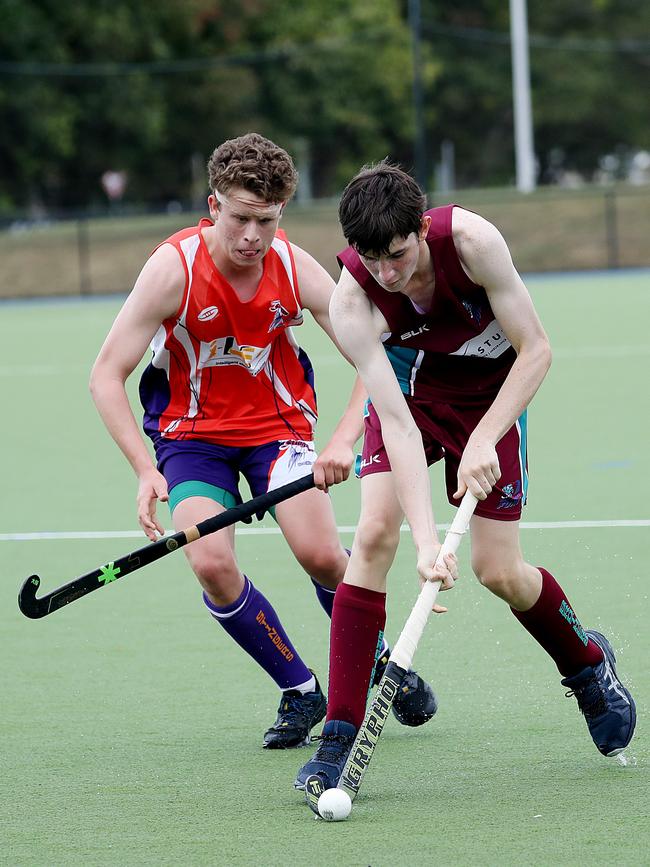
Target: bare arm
[[486, 259], [335, 460], [156, 296], [358, 325]]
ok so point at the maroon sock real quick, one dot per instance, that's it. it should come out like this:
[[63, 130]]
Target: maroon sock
[[358, 619], [553, 624]]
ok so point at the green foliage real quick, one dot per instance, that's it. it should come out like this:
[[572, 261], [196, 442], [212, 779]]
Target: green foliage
[[589, 82], [591, 79], [344, 88], [146, 86]]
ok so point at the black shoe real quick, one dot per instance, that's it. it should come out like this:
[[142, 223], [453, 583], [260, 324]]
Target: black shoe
[[415, 702], [297, 715], [380, 666], [329, 759], [607, 705]]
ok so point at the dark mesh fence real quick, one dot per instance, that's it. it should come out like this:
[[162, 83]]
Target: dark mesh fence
[[551, 230]]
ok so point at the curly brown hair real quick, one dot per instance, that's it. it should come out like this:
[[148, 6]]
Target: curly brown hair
[[256, 164]]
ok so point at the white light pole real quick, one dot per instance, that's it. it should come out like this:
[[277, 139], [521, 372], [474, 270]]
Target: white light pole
[[420, 146], [524, 148]]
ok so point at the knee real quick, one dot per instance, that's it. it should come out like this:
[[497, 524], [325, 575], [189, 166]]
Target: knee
[[325, 563], [218, 574], [498, 577], [376, 538]]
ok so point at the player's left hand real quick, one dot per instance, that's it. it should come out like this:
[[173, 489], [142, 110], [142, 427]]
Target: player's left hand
[[447, 572], [333, 465], [479, 469]]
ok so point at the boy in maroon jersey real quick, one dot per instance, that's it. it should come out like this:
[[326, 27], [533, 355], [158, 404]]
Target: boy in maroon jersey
[[445, 337]]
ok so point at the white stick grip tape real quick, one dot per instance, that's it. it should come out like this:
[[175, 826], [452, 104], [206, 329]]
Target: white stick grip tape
[[406, 644]]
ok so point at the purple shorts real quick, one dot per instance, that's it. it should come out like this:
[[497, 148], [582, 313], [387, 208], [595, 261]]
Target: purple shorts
[[445, 430], [197, 468]]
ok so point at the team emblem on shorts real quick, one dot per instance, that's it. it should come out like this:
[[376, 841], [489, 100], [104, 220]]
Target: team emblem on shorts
[[297, 453], [510, 496]]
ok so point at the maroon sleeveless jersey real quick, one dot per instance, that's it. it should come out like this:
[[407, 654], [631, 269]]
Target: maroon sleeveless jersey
[[456, 352]]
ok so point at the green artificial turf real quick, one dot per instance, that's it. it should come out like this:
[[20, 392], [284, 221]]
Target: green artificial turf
[[131, 726]]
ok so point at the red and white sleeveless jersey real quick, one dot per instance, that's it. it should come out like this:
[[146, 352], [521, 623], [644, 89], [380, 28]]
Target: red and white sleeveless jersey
[[227, 371]]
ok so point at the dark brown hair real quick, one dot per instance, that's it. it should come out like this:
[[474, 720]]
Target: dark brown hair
[[256, 164], [380, 202]]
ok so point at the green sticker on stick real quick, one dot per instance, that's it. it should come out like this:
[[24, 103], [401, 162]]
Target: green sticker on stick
[[109, 573]]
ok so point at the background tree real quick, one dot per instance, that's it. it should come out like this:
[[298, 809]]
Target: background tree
[[151, 86], [590, 73]]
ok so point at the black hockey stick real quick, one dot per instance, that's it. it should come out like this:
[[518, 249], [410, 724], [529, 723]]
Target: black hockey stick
[[35, 608]]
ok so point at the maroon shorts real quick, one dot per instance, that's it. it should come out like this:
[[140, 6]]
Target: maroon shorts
[[445, 430]]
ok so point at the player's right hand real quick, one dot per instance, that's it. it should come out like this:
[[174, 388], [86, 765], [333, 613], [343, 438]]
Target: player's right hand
[[333, 465], [479, 469], [152, 487]]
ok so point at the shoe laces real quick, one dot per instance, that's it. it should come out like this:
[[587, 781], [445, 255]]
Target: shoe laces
[[331, 747], [590, 697], [293, 709]]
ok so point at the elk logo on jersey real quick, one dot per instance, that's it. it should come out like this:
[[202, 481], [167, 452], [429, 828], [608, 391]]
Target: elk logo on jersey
[[226, 351], [279, 312]]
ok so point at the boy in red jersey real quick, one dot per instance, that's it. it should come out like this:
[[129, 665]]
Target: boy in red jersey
[[229, 392], [444, 335]]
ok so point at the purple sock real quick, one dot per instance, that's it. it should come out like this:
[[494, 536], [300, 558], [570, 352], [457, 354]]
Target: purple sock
[[256, 628], [325, 595]]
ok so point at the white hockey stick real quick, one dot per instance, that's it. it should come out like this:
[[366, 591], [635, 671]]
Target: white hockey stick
[[400, 659]]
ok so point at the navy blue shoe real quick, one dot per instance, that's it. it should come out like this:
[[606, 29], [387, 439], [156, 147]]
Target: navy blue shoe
[[415, 703], [297, 715], [330, 757], [607, 706]]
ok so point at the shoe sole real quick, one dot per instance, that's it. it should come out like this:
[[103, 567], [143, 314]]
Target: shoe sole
[[608, 650], [296, 746]]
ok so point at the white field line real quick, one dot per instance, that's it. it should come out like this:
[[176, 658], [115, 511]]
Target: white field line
[[92, 535]]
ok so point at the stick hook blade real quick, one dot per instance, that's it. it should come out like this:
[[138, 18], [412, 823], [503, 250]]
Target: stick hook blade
[[27, 601]]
